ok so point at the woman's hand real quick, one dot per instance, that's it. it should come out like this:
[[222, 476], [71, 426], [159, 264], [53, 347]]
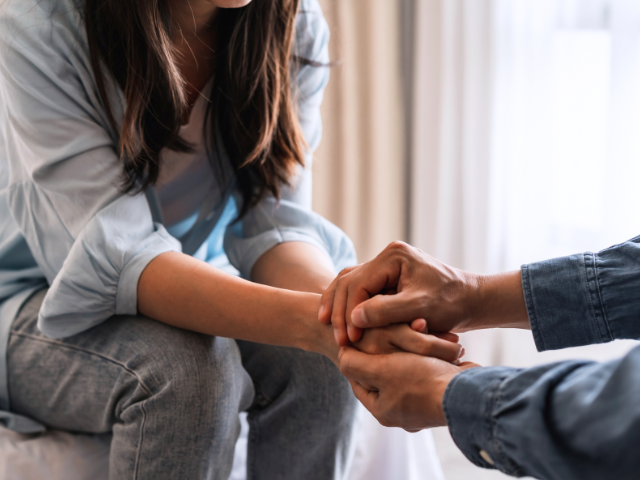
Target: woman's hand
[[384, 340], [410, 338]]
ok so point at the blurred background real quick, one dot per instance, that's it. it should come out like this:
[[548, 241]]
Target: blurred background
[[489, 133]]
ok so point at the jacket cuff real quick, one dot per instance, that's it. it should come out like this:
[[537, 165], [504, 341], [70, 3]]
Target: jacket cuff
[[469, 404], [563, 302]]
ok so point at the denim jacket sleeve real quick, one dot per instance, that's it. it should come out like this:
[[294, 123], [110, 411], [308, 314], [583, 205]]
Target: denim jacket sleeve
[[273, 222], [572, 420], [569, 420], [585, 299]]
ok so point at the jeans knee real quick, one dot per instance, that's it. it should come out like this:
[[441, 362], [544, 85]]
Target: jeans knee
[[196, 375], [329, 391], [310, 386]]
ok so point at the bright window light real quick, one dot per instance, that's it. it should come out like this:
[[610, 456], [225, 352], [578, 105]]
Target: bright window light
[[580, 110]]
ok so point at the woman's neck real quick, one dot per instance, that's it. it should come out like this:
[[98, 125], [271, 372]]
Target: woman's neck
[[193, 39], [193, 18]]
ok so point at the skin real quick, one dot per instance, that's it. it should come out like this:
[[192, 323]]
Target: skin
[[448, 298], [280, 306], [403, 389], [400, 389], [193, 38], [177, 289]]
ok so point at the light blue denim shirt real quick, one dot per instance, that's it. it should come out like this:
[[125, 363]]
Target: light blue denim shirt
[[64, 221], [574, 420]]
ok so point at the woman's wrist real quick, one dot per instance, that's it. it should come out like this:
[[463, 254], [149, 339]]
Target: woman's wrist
[[314, 336]]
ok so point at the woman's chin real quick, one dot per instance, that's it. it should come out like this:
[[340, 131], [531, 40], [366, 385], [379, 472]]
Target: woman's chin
[[230, 3]]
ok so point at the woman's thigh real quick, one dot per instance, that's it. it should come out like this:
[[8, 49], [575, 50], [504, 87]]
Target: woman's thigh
[[90, 381]]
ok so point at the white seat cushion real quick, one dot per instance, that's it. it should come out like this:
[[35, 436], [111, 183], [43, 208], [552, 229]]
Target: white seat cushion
[[381, 454]]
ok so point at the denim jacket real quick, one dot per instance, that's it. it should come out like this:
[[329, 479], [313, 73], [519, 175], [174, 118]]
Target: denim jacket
[[567, 420]]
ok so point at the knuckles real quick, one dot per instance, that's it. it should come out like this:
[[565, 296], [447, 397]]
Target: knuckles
[[398, 247], [347, 270]]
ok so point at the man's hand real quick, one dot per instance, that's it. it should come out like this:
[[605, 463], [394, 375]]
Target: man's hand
[[403, 389], [426, 288], [419, 286]]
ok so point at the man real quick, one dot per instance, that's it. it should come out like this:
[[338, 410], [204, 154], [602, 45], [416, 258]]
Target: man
[[568, 420]]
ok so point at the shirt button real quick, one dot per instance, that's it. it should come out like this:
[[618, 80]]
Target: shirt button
[[485, 456]]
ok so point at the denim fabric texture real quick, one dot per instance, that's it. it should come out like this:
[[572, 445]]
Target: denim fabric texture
[[573, 420], [172, 397]]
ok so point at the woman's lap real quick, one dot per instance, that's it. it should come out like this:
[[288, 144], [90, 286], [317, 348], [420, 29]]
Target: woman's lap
[[171, 397]]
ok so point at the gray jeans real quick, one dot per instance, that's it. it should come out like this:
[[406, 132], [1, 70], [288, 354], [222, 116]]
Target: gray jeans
[[171, 398]]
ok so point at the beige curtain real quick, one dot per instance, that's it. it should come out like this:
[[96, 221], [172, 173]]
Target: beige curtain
[[360, 167]]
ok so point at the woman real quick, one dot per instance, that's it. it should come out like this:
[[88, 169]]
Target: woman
[[119, 117]]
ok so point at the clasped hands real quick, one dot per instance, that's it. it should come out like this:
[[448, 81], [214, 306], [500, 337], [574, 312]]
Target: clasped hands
[[394, 300]]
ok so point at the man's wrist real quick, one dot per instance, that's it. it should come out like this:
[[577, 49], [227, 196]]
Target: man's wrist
[[499, 302], [442, 384]]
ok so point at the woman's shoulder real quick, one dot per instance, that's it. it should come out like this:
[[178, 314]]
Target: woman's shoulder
[[40, 24], [312, 31]]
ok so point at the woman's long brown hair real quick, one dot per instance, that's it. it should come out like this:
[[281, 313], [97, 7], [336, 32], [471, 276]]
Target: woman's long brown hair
[[252, 110]]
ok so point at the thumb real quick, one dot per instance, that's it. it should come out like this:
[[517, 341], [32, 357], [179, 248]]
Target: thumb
[[383, 310]]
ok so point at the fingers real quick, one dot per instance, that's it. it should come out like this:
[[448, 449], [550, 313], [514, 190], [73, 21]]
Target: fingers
[[366, 397], [383, 310], [337, 317], [420, 325], [326, 303], [354, 297], [358, 366], [425, 345], [448, 336], [357, 285]]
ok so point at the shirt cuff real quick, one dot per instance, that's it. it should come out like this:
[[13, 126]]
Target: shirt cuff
[[127, 290], [563, 302], [469, 404]]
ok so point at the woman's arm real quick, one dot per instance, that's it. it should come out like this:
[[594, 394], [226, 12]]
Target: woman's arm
[[184, 292], [295, 266]]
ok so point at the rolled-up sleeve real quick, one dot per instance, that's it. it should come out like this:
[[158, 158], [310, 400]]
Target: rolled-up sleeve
[[291, 219], [89, 239], [271, 223], [586, 298]]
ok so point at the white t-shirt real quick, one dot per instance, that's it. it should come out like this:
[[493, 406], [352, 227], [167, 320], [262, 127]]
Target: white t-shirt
[[186, 178]]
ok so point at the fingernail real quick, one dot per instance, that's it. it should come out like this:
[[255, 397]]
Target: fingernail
[[359, 318], [341, 352], [336, 335], [321, 312], [462, 352]]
